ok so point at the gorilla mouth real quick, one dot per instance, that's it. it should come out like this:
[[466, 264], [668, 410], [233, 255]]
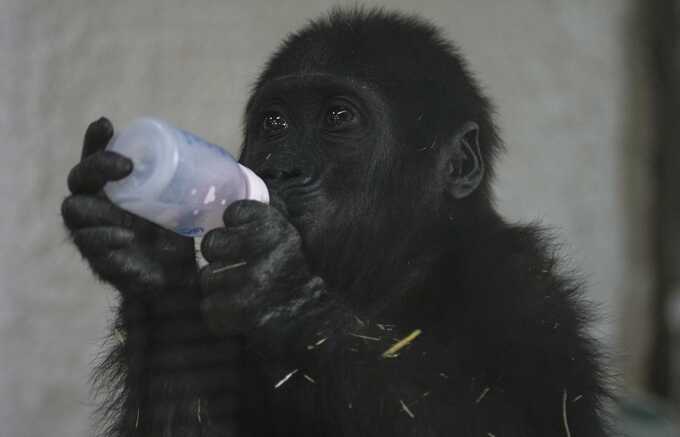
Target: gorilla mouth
[[295, 194], [298, 187]]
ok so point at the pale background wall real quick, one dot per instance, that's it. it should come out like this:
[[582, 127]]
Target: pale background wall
[[571, 98]]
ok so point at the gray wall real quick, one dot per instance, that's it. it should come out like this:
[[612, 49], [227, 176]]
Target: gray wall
[[571, 103]]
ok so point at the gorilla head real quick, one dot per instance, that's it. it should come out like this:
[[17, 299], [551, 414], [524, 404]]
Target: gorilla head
[[373, 132]]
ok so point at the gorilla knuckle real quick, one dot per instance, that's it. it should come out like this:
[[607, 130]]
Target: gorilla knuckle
[[244, 211], [214, 242], [75, 211], [73, 177], [84, 244]]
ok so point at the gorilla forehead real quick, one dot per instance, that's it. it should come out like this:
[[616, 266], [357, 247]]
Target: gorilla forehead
[[373, 45]]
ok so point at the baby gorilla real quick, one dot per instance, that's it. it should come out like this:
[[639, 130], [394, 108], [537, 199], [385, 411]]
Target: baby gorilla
[[380, 294]]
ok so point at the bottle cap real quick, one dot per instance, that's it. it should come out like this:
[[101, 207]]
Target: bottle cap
[[255, 187]]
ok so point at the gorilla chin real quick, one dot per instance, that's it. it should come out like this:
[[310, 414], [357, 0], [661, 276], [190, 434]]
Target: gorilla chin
[[379, 147]]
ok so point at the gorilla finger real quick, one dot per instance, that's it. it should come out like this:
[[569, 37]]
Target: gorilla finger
[[216, 244], [224, 276], [81, 211], [90, 174], [129, 270], [244, 211], [247, 241], [102, 239], [97, 136]]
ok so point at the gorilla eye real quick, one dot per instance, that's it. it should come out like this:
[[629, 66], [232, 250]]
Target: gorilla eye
[[339, 116], [274, 123]]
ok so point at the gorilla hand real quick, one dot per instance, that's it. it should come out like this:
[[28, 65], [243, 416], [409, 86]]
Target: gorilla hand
[[257, 273], [123, 249]]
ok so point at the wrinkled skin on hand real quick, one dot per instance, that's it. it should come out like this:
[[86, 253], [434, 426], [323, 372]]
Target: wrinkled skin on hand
[[257, 271], [131, 253]]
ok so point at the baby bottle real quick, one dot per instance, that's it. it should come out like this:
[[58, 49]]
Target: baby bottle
[[179, 181]]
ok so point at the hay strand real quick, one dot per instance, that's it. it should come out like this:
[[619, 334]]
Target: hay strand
[[390, 353]]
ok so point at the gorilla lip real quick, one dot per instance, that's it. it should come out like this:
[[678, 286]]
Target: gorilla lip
[[297, 188]]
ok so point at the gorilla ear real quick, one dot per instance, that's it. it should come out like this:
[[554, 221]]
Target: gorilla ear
[[465, 167]]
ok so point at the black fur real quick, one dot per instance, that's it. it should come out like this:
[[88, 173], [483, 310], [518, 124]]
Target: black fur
[[378, 148]]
